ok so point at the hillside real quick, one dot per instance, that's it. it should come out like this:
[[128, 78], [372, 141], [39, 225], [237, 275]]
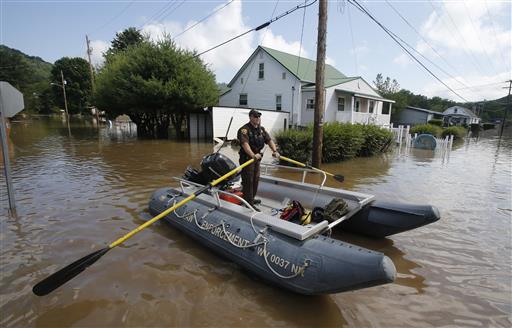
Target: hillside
[[29, 74]]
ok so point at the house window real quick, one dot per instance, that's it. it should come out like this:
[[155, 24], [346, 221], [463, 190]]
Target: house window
[[341, 104], [243, 99], [278, 102], [455, 111], [261, 73], [385, 108], [310, 104], [284, 75], [371, 106], [357, 105], [242, 80]]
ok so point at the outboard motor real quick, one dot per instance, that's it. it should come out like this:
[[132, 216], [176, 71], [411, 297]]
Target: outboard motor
[[213, 166]]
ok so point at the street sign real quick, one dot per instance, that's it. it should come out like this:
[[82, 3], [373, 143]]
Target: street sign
[[11, 103], [11, 98]]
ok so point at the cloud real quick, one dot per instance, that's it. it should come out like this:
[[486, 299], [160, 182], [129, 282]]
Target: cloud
[[467, 26], [403, 60], [226, 24], [98, 48], [268, 39], [360, 49]]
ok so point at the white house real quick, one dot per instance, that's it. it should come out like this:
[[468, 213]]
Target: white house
[[458, 115], [278, 81]]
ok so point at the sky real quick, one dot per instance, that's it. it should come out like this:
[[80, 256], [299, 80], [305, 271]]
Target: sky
[[465, 44]]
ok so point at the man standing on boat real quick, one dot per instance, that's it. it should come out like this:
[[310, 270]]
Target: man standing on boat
[[253, 137]]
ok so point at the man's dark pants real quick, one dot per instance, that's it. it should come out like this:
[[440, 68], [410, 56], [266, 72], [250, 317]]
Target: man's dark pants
[[250, 179]]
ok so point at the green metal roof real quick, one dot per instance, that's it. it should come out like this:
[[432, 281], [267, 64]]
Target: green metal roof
[[306, 68]]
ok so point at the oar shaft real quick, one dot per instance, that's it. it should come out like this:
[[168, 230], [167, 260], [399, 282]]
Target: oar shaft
[[304, 165], [150, 222], [181, 203]]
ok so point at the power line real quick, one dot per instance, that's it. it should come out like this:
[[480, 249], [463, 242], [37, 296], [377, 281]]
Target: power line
[[353, 43], [481, 85], [365, 11], [262, 26], [113, 18], [479, 39], [159, 12], [495, 34], [171, 11], [464, 42], [203, 19], [426, 42]]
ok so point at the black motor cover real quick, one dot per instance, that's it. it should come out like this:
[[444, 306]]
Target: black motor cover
[[213, 166]]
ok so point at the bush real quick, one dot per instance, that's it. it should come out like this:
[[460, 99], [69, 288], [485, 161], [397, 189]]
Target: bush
[[341, 141], [375, 140], [296, 144], [435, 122], [458, 132], [427, 129], [488, 126]]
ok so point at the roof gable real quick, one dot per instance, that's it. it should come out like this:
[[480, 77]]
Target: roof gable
[[460, 110], [306, 67]]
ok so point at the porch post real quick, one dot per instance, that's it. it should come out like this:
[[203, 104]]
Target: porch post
[[352, 110]]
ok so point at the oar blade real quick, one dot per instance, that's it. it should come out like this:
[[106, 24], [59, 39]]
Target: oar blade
[[67, 273], [339, 177]]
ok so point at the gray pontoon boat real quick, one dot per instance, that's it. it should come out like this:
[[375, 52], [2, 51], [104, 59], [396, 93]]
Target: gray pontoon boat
[[300, 258]]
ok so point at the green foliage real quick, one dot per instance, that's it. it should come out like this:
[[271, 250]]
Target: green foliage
[[78, 84], [297, 144], [30, 75], [376, 140], [488, 126], [386, 87], [154, 84], [390, 89], [341, 141], [437, 122], [426, 129], [127, 38], [458, 132]]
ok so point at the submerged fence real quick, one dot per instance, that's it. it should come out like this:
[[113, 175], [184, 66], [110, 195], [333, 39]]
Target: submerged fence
[[404, 139]]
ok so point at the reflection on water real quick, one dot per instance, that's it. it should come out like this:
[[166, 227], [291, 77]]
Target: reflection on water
[[76, 194]]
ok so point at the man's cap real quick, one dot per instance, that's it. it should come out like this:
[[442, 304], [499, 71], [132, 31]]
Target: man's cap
[[254, 112]]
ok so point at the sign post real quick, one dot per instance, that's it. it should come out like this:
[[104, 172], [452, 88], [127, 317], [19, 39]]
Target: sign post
[[11, 103]]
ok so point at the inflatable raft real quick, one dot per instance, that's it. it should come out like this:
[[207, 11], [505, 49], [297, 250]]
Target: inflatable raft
[[300, 258]]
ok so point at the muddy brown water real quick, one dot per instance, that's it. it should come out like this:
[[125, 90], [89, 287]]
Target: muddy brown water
[[77, 194]]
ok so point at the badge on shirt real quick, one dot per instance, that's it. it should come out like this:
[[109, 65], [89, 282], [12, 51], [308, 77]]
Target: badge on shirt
[[244, 131]]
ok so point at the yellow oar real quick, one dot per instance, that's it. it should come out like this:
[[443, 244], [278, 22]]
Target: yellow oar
[[338, 177], [67, 273]]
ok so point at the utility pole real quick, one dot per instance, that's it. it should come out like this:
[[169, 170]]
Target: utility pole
[[506, 109], [89, 52], [65, 100], [319, 89]]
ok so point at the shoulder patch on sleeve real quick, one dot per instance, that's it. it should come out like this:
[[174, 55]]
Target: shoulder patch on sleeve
[[244, 131]]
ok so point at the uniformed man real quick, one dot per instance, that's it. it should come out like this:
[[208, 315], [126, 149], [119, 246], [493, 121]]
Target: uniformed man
[[253, 137]]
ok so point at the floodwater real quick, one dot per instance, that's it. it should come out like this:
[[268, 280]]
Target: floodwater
[[77, 194]]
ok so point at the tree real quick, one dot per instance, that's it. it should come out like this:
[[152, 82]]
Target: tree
[[155, 84], [386, 87], [78, 84], [129, 37], [14, 68]]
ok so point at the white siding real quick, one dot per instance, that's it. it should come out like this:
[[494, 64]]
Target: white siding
[[346, 115], [261, 93], [358, 86], [272, 121], [307, 116]]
